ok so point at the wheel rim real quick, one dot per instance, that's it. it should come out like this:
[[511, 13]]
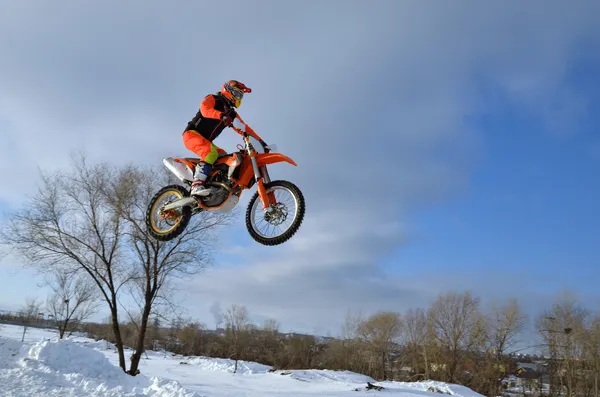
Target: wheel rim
[[160, 219], [277, 218]]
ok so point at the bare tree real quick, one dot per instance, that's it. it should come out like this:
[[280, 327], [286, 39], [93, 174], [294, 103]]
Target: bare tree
[[237, 322], [29, 314], [69, 225], [346, 352], [350, 325], [416, 337], [455, 321], [155, 265], [72, 301], [91, 219], [592, 353], [191, 337], [269, 340], [381, 331], [563, 330], [271, 325], [504, 323]]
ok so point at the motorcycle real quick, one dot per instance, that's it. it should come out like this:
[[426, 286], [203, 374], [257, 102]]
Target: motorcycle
[[172, 207]]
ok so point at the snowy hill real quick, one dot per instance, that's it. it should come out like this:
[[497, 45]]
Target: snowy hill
[[45, 366]]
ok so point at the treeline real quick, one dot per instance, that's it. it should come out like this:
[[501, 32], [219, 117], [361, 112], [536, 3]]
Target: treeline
[[454, 340]]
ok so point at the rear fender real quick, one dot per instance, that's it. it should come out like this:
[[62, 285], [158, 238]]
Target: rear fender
[[179, 168]]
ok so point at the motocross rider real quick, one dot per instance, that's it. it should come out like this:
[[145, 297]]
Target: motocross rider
[[216, 112]]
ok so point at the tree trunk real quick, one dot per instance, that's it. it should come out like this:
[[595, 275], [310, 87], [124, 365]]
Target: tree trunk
[[426, 363], [139, 349], [383, 365], [62, 328], [235, 354], [117, 334], [452, 368]]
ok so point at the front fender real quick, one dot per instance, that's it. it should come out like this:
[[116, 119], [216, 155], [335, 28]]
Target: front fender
[[271, 158]]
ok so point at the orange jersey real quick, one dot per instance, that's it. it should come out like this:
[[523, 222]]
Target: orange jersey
[[208, 123]]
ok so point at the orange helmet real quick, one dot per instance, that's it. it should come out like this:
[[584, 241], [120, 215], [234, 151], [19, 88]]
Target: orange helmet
[[234, 91]]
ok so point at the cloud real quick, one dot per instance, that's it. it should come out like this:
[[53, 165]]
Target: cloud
[[374, 103], [413, 146], [320, 274]]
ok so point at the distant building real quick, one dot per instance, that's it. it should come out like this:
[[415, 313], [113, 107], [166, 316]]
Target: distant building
[[529, 366]]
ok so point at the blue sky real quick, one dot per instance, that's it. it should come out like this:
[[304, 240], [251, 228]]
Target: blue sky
[[439, 146], [530, 214]]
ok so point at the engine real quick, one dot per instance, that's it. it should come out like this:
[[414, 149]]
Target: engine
[[220, 194], [216, 197]]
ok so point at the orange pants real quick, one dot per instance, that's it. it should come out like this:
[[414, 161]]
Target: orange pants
[[202, 147]]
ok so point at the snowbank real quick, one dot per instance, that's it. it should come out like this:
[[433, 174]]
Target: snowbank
[[326, 375], [75, 370], [10, 350], [95, 344], [227, 365], [429, 387], [353, 379]]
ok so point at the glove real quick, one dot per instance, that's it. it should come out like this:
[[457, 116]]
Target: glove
[[228, 116]]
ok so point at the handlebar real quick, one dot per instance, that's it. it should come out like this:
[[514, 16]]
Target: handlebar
[[246, 135]]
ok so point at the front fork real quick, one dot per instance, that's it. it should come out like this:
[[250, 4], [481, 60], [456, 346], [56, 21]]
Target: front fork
[[261, 175]]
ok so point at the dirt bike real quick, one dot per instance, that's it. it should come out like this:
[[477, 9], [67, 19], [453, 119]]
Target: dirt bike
[[172, 207]]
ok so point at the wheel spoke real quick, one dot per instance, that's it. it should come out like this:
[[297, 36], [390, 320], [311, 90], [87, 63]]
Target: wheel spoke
[[166, 225], [277, 219], [164, 222]]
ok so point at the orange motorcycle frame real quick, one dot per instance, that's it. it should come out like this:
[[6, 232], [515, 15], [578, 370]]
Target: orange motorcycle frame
[[246, 174]]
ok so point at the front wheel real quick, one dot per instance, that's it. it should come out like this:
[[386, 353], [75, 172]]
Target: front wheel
[[278, 222], [166, 225]]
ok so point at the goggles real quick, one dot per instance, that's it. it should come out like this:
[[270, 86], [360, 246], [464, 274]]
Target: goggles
[[236, 93]]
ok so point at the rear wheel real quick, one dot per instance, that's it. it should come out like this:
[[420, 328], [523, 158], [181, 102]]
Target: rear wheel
[[278, 222], [166, 225]]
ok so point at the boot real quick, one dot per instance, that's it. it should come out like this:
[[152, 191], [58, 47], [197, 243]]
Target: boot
[[200, 175]]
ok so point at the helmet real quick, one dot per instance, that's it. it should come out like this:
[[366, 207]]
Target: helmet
[[234, 91]]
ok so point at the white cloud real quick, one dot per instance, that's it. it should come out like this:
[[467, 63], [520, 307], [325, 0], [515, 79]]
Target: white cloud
[[372, 102]]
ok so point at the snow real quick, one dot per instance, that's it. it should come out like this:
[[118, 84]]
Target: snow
[[42, 365], [226, 365], [67, 368], [312, 375]]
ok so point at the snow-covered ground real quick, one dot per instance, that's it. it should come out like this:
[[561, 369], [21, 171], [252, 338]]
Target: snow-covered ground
[[45, 366]]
